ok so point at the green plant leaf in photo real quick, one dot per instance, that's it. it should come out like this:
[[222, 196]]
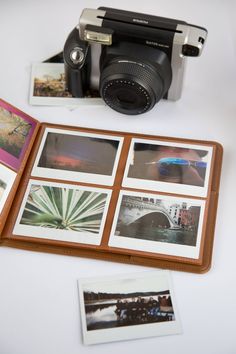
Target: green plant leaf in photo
[[64, 208]]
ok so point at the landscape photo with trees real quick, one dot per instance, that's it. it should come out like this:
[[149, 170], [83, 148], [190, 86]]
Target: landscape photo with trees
[[14, 132], [50, 85]]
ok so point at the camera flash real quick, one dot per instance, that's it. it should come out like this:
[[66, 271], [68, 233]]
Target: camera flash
[[98, 37]]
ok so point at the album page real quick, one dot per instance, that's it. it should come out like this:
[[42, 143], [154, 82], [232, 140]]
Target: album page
[[120, 196]]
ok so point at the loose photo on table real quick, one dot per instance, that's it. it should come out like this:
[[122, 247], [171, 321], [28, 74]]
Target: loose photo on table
[[63, 212], [168, 166], [157, 223], [7, 178], [16, 129], [127, 306], [78, 156], [48, 87]]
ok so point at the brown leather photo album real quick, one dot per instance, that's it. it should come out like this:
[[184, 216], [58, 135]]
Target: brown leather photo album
[[141, 199]]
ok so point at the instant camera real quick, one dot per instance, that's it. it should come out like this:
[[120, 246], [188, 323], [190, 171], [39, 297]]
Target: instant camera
[[131, 60]]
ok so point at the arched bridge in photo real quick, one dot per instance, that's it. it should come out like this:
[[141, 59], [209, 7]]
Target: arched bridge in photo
[[133, 209]]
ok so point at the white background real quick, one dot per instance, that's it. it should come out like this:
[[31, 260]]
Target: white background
[[39, 310]]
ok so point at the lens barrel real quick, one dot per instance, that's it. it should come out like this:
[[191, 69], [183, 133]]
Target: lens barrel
[[132, 87]]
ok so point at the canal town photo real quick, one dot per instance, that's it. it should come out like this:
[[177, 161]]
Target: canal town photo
[[158, 220], [158, 223]]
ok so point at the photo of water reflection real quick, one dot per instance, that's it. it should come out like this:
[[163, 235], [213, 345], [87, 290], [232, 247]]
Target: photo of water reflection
[[155, 233], [105, 310]]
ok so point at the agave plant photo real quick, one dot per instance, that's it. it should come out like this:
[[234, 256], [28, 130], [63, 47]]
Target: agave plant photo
[[64, 208]]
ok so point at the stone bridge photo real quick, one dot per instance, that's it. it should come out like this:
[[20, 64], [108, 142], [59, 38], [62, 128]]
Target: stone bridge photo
[[158, 219]]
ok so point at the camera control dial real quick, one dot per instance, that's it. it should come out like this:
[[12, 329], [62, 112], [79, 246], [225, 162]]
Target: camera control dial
[[77, 55]]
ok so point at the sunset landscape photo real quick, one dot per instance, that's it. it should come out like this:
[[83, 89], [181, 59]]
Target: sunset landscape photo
[[78, 153]]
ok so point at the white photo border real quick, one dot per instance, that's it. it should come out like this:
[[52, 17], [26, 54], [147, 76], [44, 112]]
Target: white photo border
[[57, 101], [7, 176], [74, 176], [161, 279], [165, 248], [161, 186], [65, 235]]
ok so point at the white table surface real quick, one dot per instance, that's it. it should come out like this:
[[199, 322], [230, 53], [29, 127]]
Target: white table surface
[[39, 310]]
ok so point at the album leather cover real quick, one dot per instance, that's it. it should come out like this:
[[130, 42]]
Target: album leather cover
[[126, 197]]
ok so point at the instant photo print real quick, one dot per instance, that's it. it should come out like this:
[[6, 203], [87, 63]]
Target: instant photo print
[[65, 212], [7, 178], [48, 87], [78, 156], [158, 223], [117, 196], [16, 133], [168, 167], [130, 306]]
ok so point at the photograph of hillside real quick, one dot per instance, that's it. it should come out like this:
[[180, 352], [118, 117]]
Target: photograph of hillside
[[14, 132], [50, 82]]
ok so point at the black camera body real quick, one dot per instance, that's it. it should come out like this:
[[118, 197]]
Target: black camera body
[[131, 60]]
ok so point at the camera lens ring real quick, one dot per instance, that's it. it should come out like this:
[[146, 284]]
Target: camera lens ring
[[130, 87], [114, 89]]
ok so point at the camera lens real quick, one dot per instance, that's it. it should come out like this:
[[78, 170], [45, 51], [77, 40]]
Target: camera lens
[[131, 87]]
